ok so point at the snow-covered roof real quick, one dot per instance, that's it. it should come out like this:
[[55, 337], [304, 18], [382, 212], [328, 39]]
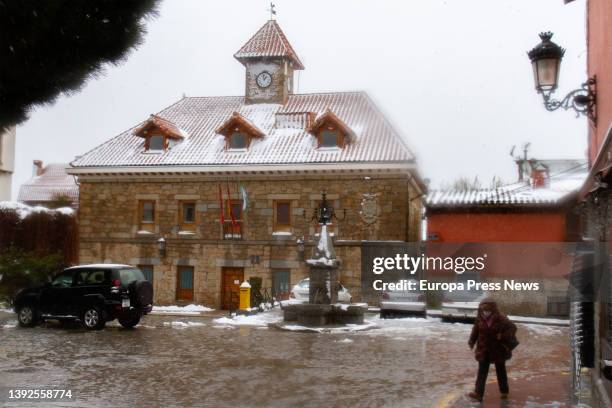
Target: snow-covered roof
[[560, 186], [286, 138], [51, 183], [269, 41]]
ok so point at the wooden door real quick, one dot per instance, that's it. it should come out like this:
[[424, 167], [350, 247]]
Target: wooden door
[[184, 283], [230, 287]]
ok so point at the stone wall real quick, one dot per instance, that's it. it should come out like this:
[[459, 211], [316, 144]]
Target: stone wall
[[109, 230]]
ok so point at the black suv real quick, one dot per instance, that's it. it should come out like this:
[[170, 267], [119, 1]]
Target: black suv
[[91, 294]]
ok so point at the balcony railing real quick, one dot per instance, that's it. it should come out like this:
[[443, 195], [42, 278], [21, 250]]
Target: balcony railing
[[232, 231]]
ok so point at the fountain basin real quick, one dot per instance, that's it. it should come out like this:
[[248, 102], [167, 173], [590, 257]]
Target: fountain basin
[[317, 315]]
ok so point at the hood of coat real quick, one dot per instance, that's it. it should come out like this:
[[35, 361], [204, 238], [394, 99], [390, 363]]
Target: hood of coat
[[490, 304]]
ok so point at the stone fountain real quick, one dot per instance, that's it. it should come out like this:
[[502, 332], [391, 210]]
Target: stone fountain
[[323, 308]]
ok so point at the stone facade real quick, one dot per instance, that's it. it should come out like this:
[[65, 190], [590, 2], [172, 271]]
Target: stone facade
[[280, 87], [109, 225]]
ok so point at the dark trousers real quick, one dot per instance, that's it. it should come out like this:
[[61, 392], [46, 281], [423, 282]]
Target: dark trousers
[[483, 372]]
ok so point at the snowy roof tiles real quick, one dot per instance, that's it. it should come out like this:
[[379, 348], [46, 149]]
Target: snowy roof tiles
[[269, 41], [286, 140], [561, 186], [52, 182]]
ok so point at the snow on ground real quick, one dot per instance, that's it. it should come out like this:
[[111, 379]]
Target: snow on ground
[[189, 309], [345, 340], [260, 319], [542, 330], [407, 327], [3, 310], [179, 324], [332, 329], [9, 325], [543, 320]]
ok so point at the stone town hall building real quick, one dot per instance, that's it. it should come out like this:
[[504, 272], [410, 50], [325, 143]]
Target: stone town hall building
[[231, 184]]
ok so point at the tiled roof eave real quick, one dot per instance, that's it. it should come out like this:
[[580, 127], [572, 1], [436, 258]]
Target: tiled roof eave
[[380, 167]]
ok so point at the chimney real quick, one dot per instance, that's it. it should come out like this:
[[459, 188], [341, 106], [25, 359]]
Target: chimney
[[519, 166], [539, 176], [37, 169]]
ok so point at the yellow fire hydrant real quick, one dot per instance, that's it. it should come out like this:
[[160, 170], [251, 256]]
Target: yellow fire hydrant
[[245, 296]]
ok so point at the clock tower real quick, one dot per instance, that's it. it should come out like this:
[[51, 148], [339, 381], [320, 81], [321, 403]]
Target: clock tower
[[269, 61]]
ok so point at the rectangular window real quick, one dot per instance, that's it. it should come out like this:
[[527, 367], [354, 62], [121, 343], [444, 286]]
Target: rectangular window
[[146, 215], [282, 216], [329, 138], [187, 215], [233, 230], [236, 210], [147, 271], [238, 141], [156, 143]]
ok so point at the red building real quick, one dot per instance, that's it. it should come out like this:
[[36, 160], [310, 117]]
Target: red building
[[592, 312], [537, 208], [524, 229]]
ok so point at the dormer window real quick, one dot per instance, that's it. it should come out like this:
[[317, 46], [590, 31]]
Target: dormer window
[[331, 132], [159, 134], [329, 138], [156, 143], [239, 132], [238, 140]]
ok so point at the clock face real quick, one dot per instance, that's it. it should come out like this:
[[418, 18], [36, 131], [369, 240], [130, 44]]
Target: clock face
[[264, 79]]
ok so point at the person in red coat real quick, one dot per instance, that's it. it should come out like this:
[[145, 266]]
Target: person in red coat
[[493, 335]]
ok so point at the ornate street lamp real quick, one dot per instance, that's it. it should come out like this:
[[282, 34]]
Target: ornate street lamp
[[546, 61], [300, 248], [161, 247], [325, 213]]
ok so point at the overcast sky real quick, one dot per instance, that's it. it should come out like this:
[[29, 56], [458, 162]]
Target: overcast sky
[[452, 75]]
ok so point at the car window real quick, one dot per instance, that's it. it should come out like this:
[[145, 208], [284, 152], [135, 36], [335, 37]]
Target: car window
[[63, 280], [95, 278], [304, 283], [130, 275], [89, 277]]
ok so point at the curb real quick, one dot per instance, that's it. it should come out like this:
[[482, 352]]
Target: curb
[[519, 319]]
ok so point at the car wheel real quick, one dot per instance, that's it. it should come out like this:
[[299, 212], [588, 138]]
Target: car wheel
[[92, 319], [129, 320], [27, 316]]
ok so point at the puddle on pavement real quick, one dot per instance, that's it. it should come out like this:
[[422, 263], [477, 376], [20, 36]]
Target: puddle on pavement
[[189, 361]]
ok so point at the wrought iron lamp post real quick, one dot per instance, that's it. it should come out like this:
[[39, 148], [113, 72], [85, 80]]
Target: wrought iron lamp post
[[300, 248], [546, 61], [326, 213], [161, 247]]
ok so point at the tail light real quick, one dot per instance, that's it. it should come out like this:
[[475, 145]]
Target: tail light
[[385, 296], [116, 282], [292, 295]]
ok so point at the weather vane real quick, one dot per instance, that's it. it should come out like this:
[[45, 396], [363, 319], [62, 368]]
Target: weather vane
[[272, 10]]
